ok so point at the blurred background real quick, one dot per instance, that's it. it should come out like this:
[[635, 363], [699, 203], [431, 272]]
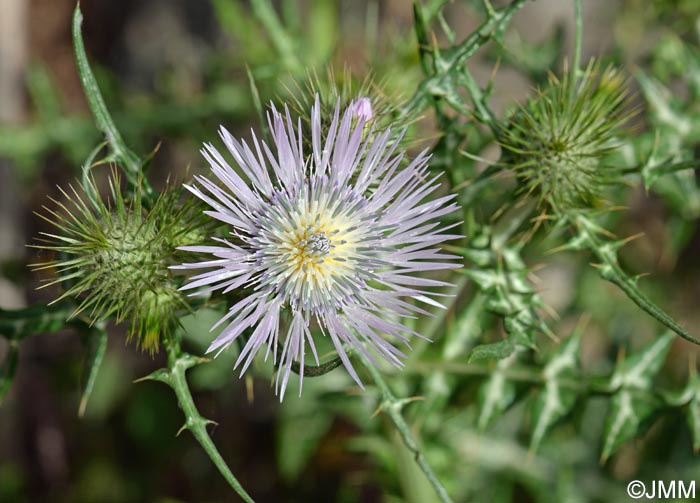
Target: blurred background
[[171, 72]]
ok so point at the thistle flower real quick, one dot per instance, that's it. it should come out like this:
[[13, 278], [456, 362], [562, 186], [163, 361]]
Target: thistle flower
[[114, 257], [560, 142], [331, 237]]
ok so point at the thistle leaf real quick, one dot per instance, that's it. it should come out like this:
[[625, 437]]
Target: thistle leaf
[[627, 413], [657, 97], [129, 161], [555, 402], [502, 277], [637, 371], [43, 92], [467, 328], [496, 394], [257, 103], [36, 319], [95, 341], [633, 402], [496, 351], [693, 412], [18, 324], [690, 396], [669, 164]]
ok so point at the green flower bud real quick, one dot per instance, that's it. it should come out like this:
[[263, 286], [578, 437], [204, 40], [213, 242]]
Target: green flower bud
[[559, 143], [113, 258], [369, 102]]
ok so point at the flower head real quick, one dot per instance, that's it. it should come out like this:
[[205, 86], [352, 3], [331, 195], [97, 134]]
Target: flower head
[[330, 238], [113, 257], [560, 142]]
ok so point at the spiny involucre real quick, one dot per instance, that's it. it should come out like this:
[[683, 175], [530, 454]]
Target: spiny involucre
[[330, 238], [113, 257], [559, 143]]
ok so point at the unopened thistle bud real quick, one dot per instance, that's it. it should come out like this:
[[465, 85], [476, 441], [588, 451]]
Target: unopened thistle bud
[[559, 143], [113, 258], [370, 103], [363, 109]]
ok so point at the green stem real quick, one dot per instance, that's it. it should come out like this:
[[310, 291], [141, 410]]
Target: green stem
[[317, 370], [452, 62], [36, 319], [283, 43], [494, 26], [120, 152], [174, 376], [391, 406], [610, 270], [96, 345], [665, 168], [577, 39], [525, 375], [483, 112], [425, 55]]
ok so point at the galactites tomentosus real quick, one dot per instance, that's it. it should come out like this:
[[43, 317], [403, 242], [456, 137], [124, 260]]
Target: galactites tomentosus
[[559, 143], [113, 257], [334, 237]]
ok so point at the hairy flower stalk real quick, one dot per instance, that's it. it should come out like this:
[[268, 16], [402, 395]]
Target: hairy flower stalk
[[560, 142], [329, 238], [113, 258]]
